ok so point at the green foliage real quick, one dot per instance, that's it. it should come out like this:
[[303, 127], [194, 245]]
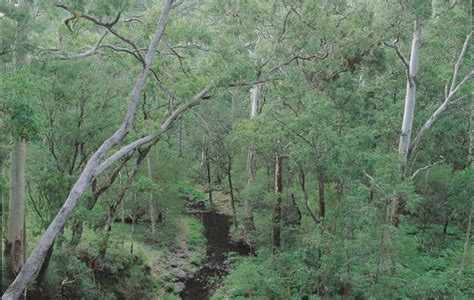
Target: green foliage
[[269, 277], [19, 102], [331, 104], [190, 193]]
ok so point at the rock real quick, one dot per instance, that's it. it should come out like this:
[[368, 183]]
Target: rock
[[178, 287], [183, 255], [174, 262], [180, 274]]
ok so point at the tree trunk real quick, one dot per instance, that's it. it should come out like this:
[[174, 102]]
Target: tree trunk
[[38, 293], [277, 206], [209, 177], [231, 191], [93, 168], [14, 242], [322, 203], [134, 218], [466, 243], [104, 242], [306, 198], [77, 232], [249, 224], [449, 95], [408, 113], [152, 199]]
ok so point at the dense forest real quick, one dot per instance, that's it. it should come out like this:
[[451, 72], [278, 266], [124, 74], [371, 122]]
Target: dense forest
[[236, 149]]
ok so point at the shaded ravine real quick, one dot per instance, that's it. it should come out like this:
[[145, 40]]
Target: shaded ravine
[[215, 266]]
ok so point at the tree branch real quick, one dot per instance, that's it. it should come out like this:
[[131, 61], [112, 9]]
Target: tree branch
[[153, 136], [427, 167], [396, 46], [36, 258]]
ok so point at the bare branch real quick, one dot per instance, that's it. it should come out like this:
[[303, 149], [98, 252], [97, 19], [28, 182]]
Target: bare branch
[[458, 62], [396, 46], [89, 52], [428, 167], [449, 96]]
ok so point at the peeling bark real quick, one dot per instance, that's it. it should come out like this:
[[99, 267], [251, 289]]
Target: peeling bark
[[14, 242]]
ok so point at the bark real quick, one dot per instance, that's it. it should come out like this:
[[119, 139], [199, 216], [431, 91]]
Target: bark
[[276, 236], [113, 208], [77, 232], [152, 198], [104, 242], [445, 226], [231, 191], [134, 219], [408, 114], [209, 177], [306, 198], [122, 237], [38, 255], [14, 242], [38, 293], [454, 88], [249, 224], [297, 209], [322, 203]]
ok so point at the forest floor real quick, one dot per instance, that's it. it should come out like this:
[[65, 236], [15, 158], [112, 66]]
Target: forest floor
[[171, 259]]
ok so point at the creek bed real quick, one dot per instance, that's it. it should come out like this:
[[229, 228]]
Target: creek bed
[[215, 266]]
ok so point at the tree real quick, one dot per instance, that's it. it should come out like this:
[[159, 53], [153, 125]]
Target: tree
[[34, 261]]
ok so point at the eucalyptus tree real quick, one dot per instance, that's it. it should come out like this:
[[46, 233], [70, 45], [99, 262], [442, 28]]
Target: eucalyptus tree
[[18, 106], [92, 168]]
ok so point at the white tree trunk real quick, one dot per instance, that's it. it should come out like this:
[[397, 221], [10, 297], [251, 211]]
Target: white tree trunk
[[254, 110], [14, 242], [152, 198], [448, 97], [251, 163], [36, 258], [410, 96]]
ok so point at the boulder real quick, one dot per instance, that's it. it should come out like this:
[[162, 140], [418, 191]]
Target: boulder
[[180, 274], [178, 287]]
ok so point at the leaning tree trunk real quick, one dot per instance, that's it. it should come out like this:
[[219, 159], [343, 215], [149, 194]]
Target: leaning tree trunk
[[14, 242], [409, 111], [91, 170], [276, 232], [152, 198]]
